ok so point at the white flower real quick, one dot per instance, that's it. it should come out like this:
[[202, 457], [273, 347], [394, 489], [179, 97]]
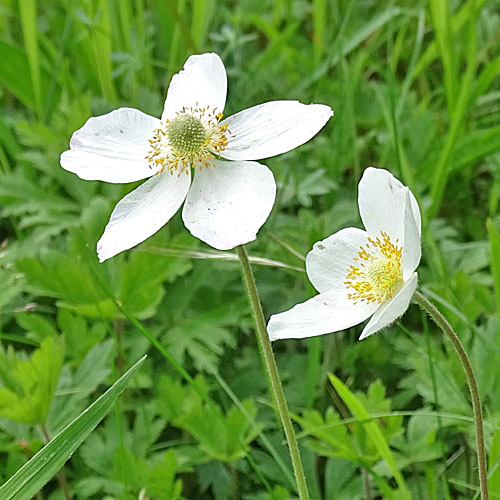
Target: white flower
[[227, 201], [359, 273]]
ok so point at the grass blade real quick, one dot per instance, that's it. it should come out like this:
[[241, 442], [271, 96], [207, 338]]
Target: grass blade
[[441, 19], [343, 47], [13, 62], [495, 260], [457, 22], [28, 480], [457, 112], [202, 14], [319, 23], [27, 11], [101, 40]]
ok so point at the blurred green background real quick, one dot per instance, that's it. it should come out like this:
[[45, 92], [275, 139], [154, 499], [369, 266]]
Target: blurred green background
[[415, 89]]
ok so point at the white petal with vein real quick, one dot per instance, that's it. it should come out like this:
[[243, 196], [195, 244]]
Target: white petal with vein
[[382, 200], [112, 147], [273, 128], [326, 313], [327, 263], [142, 213], [227, 204], [391, 310], [201, 83]]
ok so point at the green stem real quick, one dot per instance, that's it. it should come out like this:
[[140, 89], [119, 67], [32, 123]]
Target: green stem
[[272, 371], [366, 484], [441, 321]]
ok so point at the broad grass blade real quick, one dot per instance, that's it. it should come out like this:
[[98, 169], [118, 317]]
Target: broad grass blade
[[28, 480]]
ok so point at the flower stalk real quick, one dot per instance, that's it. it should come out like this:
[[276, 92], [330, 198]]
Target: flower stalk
[[272, 371], [443, 324]]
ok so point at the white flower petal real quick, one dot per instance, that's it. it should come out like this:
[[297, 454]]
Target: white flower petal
[[273, 128], [202, 83], [411, 244], [391, 310], [416, 212], [112, 147], [326, 313], [228, 203], [143, 212], [327, 263], [382, 200]]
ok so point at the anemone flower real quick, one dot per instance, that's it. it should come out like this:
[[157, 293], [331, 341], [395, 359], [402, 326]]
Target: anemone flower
[[229, 197], [359, 273]]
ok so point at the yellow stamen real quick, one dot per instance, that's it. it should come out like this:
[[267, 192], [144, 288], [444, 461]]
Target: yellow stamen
[[193, 138], [376, 272]]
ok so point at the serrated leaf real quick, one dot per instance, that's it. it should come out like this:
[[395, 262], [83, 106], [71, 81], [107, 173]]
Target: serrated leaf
[[10, 287], [221, 436], [76, 387], [36, 381], [45, 464], [37, 327], [141, 281], [61, 276], [160, 479], [203, 341], [373, 431], [332, 435]]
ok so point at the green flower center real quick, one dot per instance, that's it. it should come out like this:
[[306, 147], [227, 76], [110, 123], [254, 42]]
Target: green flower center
[[187, 134], [193, 138], [376, 272], [383, 273]]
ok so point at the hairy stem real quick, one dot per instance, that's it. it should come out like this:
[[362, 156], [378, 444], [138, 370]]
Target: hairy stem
[[272, 371], [441, 321]]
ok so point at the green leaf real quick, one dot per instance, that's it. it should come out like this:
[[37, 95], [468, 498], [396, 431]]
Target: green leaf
[[333, 437], [202, 340], [141, 281], [376, 402], [223, 437], [441, 18], [35, 382], [476, 145], [27, 481], [61, 276], [13, 62], [494, 461], [10, 287], [339, 482], [37, 327], [161, 481], [467, 9], [278, 493], [27, 11], [80, 335], [75, 388], [372, 430], [495, 260], [215, 476]]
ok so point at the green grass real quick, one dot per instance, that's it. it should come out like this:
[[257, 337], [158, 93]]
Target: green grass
[[415, 89]]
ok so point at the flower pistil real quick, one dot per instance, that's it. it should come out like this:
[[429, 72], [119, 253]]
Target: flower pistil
[[192, 138], [377, 272]]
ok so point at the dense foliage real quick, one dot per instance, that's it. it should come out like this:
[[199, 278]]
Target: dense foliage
[[415, 90]]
